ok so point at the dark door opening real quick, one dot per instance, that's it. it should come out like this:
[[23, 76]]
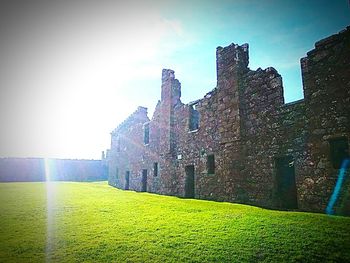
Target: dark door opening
[[127, 180], [286, 193], [144, 180], [189, 181]]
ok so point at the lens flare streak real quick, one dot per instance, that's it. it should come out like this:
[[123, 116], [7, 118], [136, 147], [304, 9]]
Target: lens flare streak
[[50, 194], [338, 185]]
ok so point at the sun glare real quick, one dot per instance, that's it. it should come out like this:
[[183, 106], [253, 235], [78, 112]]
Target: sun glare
[[50, 194], [47, 170]]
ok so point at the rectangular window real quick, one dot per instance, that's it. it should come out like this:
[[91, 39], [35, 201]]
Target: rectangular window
[[211, 164], [146, 133], [155, 169], [194, 119], [339, 150], [118, 144]]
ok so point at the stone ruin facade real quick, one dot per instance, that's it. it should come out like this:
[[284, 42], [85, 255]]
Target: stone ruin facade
[[241, 142]]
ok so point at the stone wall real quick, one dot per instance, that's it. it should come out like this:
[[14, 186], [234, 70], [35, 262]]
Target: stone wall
[[33, 170], [127, 149], [248, 145], [326, 81]]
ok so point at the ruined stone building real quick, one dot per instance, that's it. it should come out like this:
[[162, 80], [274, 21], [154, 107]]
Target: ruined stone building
[[241, 142]]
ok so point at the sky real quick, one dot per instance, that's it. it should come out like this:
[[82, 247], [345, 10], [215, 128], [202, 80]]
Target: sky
[[70, 71]]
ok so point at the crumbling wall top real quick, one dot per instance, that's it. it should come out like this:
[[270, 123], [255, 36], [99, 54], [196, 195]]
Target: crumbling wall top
[[167, 74], [171, 88], [231, 57], [140, 115], [331, 39]]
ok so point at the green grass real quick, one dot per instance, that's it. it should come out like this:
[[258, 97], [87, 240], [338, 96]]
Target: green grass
[[92, 222]]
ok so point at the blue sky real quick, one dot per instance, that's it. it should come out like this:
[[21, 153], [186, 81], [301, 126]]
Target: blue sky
[[70, 71]]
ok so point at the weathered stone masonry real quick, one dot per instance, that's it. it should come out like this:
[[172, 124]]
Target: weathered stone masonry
[[241, 142]]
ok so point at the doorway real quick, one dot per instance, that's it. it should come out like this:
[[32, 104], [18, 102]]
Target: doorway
[[144, 180], [286, 192], [189, 181], [127, 180]]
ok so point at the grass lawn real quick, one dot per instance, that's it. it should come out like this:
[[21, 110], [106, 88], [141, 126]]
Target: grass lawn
[[93, 222]]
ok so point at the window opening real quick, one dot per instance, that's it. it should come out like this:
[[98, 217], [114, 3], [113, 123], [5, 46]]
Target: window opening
[[155, 169], [194, 118], [146, 133], [339, 150], [118, 144], [211, 164]]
